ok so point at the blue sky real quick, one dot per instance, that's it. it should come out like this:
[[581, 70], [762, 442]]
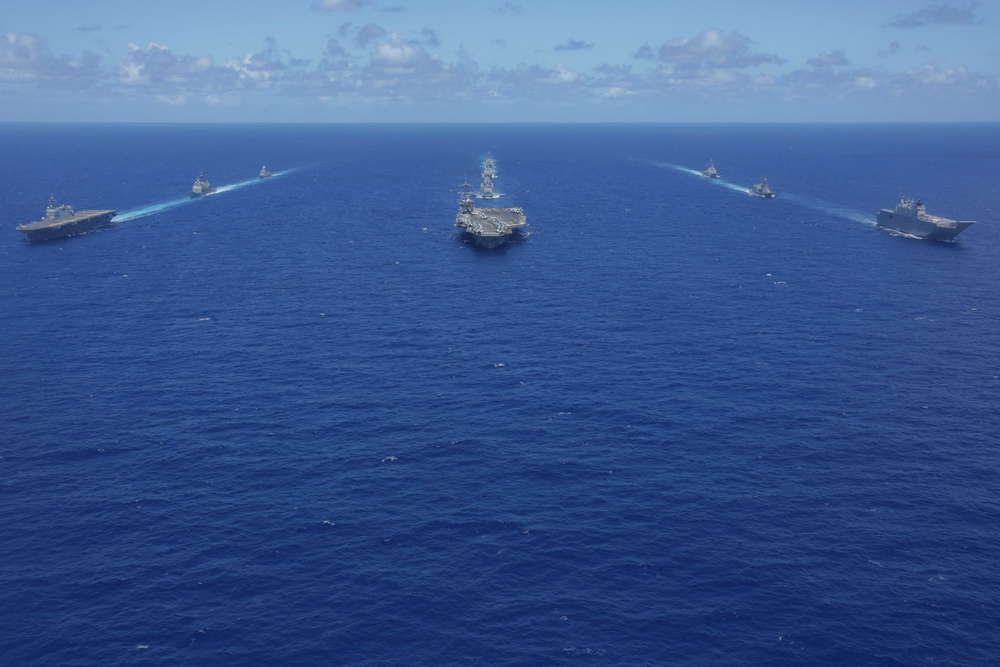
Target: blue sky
[[499, 60]]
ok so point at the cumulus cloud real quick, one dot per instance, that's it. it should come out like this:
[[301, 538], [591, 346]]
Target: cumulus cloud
[[25, 57], [715, 49], [369, 33], [157, 66], [574, 45], [644, 52], [833, 59], [510, 7], [338, 5], [963, 13], [430, 37], [891, 50], [367, 66]]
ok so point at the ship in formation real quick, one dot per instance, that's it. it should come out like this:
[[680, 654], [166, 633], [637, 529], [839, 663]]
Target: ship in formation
[[488, 227], [486, 189], [61, 221], [201, 187], [762, 189], [910, 217], [492, 227]]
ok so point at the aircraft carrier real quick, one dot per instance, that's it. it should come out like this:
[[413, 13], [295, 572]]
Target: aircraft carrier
[[488, 227], [60, 221]]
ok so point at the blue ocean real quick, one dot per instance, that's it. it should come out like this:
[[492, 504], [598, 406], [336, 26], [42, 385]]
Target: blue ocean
[[303, 421]]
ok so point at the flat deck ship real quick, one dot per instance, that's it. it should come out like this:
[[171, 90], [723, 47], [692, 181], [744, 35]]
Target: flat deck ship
[[61, 221]]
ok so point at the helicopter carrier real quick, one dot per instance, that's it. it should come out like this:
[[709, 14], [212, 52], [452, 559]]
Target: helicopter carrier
[[911, 218], [61, 221]]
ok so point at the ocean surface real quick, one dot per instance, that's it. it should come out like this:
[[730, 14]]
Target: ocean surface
[[302, 421]]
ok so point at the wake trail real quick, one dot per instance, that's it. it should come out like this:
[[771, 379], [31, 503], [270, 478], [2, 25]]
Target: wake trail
[[801, 200], [151, 209]]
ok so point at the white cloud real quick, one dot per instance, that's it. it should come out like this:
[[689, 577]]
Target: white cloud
[[24, 57], [397, 51], [833, 59], [338, 5], [950, 13], [714, 49]]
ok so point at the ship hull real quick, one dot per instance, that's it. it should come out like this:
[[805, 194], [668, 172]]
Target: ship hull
[[80, 224], [489, 242], [920, 229]]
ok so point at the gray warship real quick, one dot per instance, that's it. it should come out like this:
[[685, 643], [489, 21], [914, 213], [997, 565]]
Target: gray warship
[[710, 171], [486, 190], [264, 173], [911, 218], [762, 189], [61, 221], [488, 227], [201, 186]]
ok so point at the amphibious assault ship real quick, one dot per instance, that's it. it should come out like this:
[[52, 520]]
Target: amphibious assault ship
[[488, 227], [911, 218], [762, 189], [61, 221], [710, 171], [201, 186]]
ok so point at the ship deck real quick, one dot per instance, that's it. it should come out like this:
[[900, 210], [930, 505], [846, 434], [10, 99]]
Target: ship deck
[[61, 222]]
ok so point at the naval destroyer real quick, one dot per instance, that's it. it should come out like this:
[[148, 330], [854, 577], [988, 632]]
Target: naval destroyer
[[710, 171], [201, 186], [61, 221], [762, 189], [488, 227], [264, 173], [911, 218], [486, 190]]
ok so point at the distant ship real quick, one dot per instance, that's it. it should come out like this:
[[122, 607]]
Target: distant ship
[[488, 227], [486, 190], [61, 221], [762, 189], [202, 187], [710, 171], [910, 217], [264, 173]]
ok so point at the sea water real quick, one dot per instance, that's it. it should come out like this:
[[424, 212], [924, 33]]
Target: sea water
[[304, 421]]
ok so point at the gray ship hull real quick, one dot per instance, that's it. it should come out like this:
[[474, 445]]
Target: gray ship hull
[[489, 242], [491, 227], [80, 223], [940, 229]]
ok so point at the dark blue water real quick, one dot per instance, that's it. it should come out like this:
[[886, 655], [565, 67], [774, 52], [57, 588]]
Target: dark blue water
[[302, 422]]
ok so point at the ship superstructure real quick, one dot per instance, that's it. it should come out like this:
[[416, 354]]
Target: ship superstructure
[[910, 217], [61, 221], [264, 173], [710, 171], [486, 189], [488, 227], [762, 189], [201, 187]]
